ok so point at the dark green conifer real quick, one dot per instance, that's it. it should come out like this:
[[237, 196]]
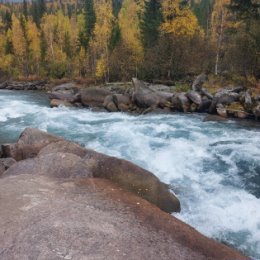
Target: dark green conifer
[[150, 23]]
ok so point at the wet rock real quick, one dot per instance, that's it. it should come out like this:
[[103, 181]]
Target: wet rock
[[144, 97], [214, 118], [224, 98], [72, 98], [109, 104], [221, 110], [63, 159], [184, 103], [194, 97], [122, 101], [241, 114], [237, 110], [132, 178], [93, 97], [30, 142], [58, 102], [205, 105]]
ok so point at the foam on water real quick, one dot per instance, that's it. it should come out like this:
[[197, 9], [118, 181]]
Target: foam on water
[[214, 168]]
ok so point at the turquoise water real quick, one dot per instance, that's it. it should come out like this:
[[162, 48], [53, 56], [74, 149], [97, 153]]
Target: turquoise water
[[214, 168]]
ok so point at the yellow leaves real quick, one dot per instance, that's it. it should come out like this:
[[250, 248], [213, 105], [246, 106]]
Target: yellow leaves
[[34, 39], [18, 39], [180, 22], [6, 62], [129, 26], [103, 26], [101, 68]]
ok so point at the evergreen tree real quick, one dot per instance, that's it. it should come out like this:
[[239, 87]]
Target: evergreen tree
[[90, 20], [38, 8], [116, 7], [150, 23], [246, 9], [25, 9], [7, 20], [115, 34]]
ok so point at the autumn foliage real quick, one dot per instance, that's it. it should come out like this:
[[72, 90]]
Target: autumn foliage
[[118, 39]]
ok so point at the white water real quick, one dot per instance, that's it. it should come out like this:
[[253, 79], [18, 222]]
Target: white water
[[214, 168]]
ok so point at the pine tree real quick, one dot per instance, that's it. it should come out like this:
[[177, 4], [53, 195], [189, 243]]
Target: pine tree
[[38, 8], [150, 23], [90, 20], [115, 34], [246, 9], [25, 9]]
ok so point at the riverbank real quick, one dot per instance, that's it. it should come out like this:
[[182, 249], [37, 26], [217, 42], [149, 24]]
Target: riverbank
[[76, 216], [140, 98]]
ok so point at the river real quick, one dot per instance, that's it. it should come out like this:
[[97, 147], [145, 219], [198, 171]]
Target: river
[[213, 167]]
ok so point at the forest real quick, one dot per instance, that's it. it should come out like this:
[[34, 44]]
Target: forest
[[115, 40]]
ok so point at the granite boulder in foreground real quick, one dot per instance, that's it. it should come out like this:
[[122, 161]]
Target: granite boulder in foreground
[[53, 208], [40, 153]]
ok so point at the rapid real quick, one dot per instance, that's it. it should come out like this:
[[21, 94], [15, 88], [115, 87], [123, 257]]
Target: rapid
[[213, 167]]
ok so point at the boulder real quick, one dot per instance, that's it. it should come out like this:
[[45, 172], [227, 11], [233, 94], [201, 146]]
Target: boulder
[[63, 159], [5, 164], [67, 88], [183, 103], [194, 97], [30, 142], [72, 98], [33, 136], [109, 104], [122, 101], [63, 147], [222, 111], [58, 102], [20, 151], [58, 165], [93, 97], [223, 97], [144, 97], [132, 178], [205, 104], [49, 218]]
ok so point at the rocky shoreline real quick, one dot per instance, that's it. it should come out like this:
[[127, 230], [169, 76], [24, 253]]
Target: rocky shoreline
[[141, 98], [71, 202]]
